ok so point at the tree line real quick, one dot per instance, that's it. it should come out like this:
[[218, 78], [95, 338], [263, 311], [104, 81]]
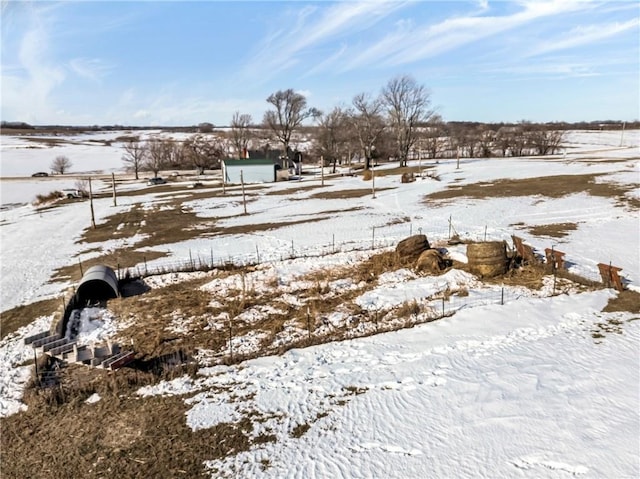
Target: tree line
[[398, 123]]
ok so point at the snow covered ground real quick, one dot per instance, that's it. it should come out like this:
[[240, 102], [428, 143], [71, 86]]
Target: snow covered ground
[[527, 389]]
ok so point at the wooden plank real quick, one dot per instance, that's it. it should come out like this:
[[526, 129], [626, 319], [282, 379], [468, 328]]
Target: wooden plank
[[610, 276], [46, 340], [35, 337], [119, 360]]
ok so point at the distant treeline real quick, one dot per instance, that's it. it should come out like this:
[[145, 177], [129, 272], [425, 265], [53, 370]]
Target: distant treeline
[[203, 127]]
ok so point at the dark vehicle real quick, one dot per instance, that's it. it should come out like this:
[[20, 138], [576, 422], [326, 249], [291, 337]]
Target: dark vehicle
[[156, 181], [40, 173]]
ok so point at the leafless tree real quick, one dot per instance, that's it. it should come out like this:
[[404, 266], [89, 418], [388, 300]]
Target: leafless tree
[[407, 104], [431, 137], [504, 139], [60, 164], [204, 152], [134, 155], [332, 134], [290, 111], [368, 123], [486, 140], [544, 140], [240, 132], [159, 155]]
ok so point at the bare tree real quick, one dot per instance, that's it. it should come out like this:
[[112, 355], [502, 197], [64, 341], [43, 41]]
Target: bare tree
[[368, 123], [135, 152], [407, 104], [486, 139], [544, 140], [204, 152], [60, 164], [240, 132], [290, 111], [431, 138], [332, 135], [158, 157]]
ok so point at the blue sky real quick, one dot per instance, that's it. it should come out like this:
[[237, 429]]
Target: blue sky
[[183, 63]]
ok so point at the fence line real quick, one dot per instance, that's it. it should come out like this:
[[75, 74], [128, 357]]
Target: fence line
[[207, 260]]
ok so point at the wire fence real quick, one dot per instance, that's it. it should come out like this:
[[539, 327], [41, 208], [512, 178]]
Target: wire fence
[[380, 238]]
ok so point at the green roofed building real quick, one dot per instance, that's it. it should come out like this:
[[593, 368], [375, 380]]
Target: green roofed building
[[249, 170]]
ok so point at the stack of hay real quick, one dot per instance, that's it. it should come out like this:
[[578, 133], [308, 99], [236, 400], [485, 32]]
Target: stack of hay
[[488, 259], [415, 251]]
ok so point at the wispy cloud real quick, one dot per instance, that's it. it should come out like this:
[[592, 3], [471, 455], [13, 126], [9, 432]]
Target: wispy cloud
[[314, 27], [34, 74], [585, 35], [425, 41], [92, 69]]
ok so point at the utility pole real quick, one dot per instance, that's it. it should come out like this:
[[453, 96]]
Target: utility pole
[[113, 185], [93, 218], [373, 183], [244, 199]]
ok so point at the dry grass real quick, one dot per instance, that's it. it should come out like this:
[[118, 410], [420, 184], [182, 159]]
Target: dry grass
[[626, 300], [346, 194], [296, 189], [554, 230], [549, 186], [13, 319], [120, 435]]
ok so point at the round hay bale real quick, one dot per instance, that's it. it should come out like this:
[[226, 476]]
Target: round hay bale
[[487, 259], [430, 261], [409, 249]]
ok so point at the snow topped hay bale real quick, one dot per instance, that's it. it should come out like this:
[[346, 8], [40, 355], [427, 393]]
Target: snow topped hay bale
[[410, 249], [430, 261], [487, 259]]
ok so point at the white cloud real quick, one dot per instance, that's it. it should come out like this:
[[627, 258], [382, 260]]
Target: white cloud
[[314, 27], [585, 35], [35, 76], [424, 41], [90, 68]]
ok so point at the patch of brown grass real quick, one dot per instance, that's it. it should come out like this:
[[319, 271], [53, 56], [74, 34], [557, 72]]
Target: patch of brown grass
[[369, 270], [626, 300], [549, 186], [401, 170], [121, 434], [256, 227], [346, 194], [13, 319], [296, 189], [554, 230]]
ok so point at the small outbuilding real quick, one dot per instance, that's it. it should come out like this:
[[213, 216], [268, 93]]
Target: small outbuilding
[[99, 283], [248, 170]]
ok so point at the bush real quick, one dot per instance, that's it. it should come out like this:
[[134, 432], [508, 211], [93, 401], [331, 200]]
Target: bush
[[48, 198]]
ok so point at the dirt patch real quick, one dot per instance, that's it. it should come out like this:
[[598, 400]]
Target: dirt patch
[[549, 186], [554, 230]]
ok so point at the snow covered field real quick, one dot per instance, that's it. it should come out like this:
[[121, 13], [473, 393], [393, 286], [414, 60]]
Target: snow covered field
[[524, 389]]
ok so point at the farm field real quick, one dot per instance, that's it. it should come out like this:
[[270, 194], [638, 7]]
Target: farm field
[[313, 352]]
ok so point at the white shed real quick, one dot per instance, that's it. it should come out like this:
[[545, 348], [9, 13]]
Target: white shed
[[252, 170]]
